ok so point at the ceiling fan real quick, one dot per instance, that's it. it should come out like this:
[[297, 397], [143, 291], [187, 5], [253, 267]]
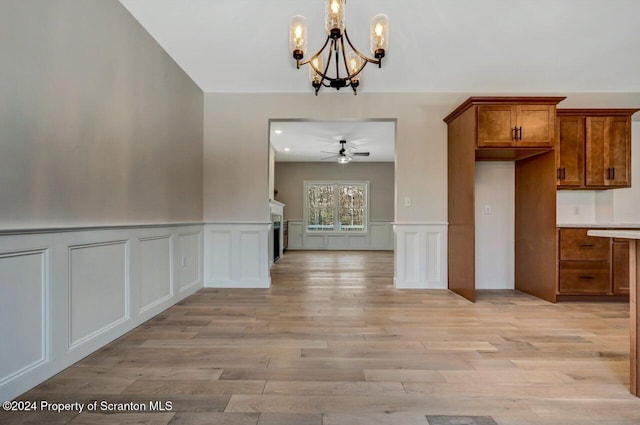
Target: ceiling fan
[[345, 154]]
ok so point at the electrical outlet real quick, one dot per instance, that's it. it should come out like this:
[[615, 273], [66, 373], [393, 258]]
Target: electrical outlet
[[576, 210], [407, 201], [487, 209]]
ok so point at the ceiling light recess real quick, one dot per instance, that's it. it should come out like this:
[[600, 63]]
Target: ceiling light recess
[[349, 63]]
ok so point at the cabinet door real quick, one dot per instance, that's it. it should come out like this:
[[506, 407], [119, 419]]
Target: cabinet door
[[618, 151], [496, 125], [620, 266], [596, 133], [570, 151], [536, 125]]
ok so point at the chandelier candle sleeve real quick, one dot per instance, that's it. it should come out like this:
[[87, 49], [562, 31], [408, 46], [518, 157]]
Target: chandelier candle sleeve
[[316, 63], [379, 35], [334, 18], [298, 36]]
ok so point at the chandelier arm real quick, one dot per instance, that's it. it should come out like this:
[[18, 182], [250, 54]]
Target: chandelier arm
[[362, 56], [312, 57]]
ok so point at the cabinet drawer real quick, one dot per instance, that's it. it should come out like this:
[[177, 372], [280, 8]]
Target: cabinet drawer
[[576, 245], [584, 277]]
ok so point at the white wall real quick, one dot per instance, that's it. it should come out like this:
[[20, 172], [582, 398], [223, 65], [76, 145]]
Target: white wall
[[98, 125], [495, 224]]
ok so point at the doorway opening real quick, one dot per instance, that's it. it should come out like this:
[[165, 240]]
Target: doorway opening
[[335, 183]]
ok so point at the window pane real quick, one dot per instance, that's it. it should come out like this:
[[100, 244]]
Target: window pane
[[320, 209], [351, 207], [320, 219], [320, 196]]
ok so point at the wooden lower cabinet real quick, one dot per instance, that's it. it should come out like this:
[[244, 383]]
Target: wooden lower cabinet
[[591, 266], [584, 277]]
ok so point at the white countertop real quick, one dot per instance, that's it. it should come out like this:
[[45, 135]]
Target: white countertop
[[626, 234], [601, 225]]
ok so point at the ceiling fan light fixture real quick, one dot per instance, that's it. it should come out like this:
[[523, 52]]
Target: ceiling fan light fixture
[[348, 62], [344, 160]]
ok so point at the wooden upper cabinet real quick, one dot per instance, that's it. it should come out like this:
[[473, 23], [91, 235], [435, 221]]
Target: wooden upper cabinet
[[496, 125], [608, 150], [594, 148], [618, 151], [570, 151], [516, 125], [535, 125]]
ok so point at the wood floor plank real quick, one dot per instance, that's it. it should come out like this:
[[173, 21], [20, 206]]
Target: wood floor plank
[[332, 342]]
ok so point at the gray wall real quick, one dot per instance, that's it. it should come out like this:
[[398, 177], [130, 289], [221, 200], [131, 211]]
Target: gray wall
[[290, 177], [98, 125]]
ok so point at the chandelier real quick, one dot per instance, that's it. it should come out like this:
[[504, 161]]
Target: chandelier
[[338, 67]]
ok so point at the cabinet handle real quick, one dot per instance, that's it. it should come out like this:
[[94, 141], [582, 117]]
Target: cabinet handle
[[587, 277], [564, 173], [514, 136], [520, 135], [559, 173], [587, 245], [608, 173], [613, 173]]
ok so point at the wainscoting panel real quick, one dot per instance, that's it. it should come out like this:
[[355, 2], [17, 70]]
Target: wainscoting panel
[[379, 237], [237, 255], [65, 293], [23, 312], [189, 257], [250, 249], [98, 289], [155, 281], [421, 261]]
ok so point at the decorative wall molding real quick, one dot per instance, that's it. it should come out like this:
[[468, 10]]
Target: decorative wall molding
[[378, 237], [24, 309], [237, 255], [420, 255], [65, 294]]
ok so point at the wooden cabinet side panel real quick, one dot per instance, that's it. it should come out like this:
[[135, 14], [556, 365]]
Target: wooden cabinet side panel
[[536, 125], [595, 143], [461, 204], [535, 226], [570, 151]]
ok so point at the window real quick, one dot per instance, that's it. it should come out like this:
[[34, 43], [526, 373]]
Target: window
[[336, 206]]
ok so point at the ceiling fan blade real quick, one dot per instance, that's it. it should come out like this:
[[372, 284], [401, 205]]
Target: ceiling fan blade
[[360, 154], [327, 152], [329, 157]]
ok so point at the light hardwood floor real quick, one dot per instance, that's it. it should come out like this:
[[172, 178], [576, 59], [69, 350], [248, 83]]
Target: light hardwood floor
[[333, 343]]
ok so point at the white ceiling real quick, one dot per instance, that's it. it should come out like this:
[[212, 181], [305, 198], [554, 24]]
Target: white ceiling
[[470, 46], [584, 47], [309, 141]]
